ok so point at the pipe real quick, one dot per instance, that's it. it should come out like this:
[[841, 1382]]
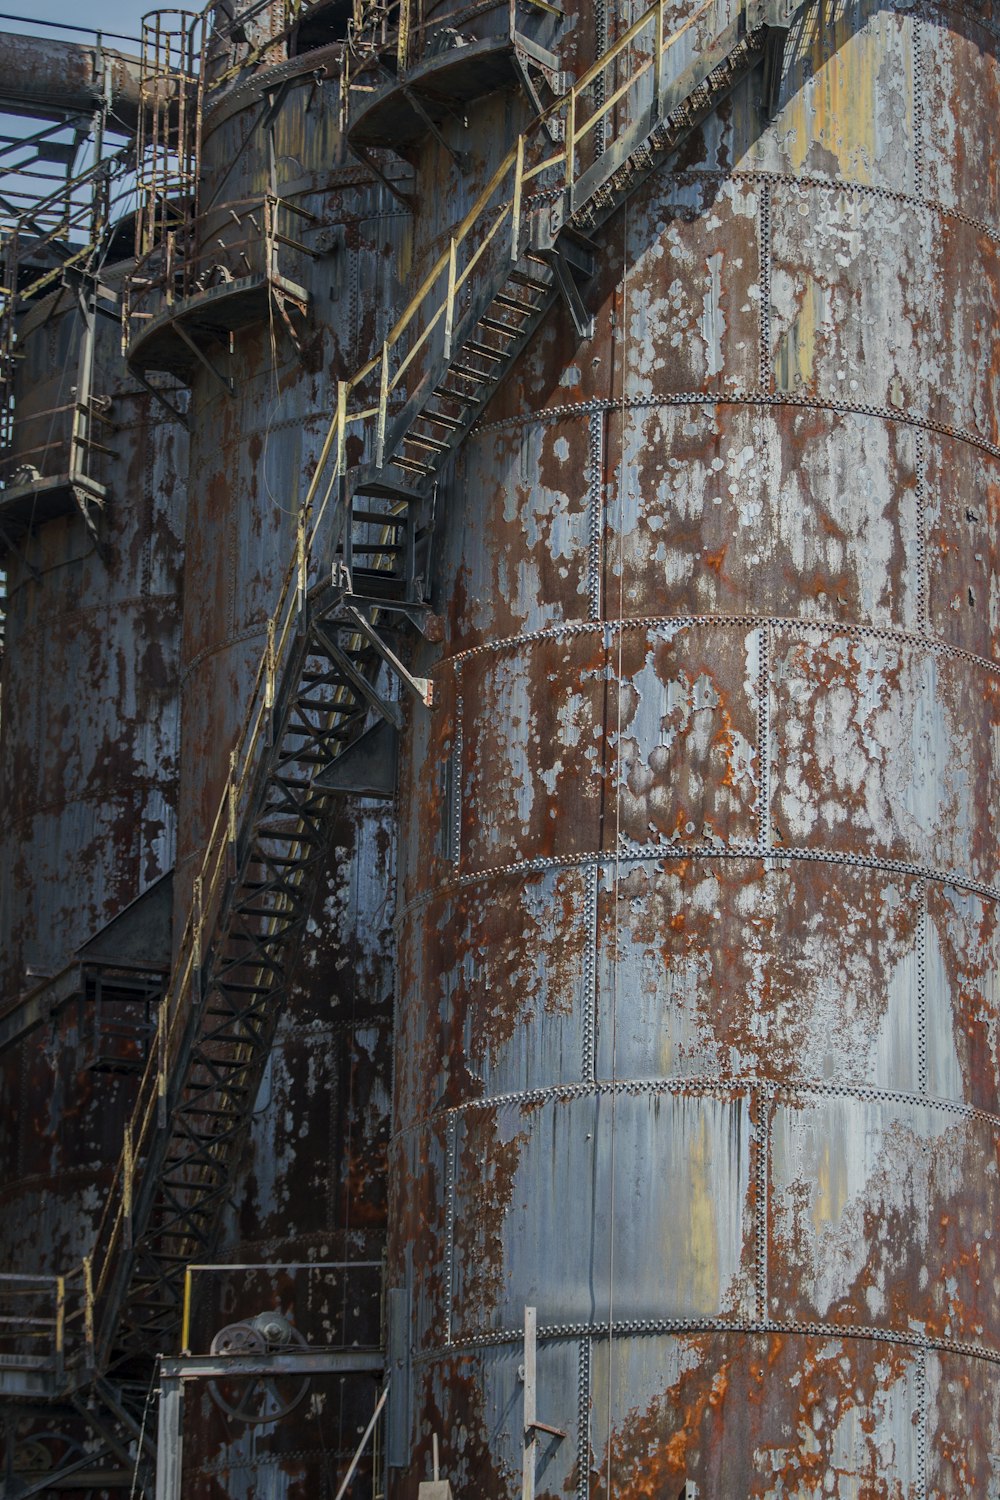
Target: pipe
[[41, 76]]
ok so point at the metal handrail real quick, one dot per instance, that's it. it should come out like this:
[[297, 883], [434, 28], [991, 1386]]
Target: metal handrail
[[503, 204]]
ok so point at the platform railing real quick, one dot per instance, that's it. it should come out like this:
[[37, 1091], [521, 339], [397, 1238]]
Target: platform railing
[[219, 248], [43, 1324]]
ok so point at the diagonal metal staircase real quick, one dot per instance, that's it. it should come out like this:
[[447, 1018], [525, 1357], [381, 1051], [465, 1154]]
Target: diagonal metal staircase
[[330, 667]]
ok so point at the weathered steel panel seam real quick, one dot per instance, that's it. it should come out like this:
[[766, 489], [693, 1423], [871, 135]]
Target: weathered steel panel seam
[[591, 881], [583, 1421], [922, 1420], [766, 1327], [662, 853], [764, 737], [449, 1249], [456, 777], [918, 107], [790, 624], [762, 1099], [923, 591], [764, 310], [842, 185], [922, 991], [745, 397], [709, 1087], [595, 516]]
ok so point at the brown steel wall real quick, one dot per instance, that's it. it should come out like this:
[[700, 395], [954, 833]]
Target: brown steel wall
[[697, 1041], [88, 765], [312, 1182]]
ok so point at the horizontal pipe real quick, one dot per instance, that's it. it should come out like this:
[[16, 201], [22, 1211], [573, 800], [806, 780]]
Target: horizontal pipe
[[43, 76]]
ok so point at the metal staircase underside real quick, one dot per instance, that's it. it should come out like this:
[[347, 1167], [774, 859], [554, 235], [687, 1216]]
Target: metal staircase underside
[[321, 691]]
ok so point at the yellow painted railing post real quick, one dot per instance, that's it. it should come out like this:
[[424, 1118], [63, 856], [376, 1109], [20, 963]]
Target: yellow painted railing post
[[515, 213], [403, 37], [231, 812], [658, 52], [60, 1322], [186, 1315], [449, 312], [301, 565], [198, 919], [341, 426], [383, 402], [269, 682], [88, 1308], [128, 1169]]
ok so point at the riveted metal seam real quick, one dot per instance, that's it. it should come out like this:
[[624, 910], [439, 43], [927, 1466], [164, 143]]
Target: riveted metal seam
[[595, 514], [788, 624], [764, 311], [922, 991], [794, 1092], [589, 979], [455, 811], [740, 397], [764, 736], [916, 52], [766, 1327], [583, 1420], [922, 1420], [763, 1099], [663, 853], [923, 589], [449, 1250]]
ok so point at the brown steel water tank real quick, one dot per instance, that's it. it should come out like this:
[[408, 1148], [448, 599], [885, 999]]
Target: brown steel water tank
[[310, 1186], [697, 1034], [88, 766]]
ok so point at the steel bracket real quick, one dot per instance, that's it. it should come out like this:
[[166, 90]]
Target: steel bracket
[[532, 1426], [391, 712], [583, 320], [420, 687]]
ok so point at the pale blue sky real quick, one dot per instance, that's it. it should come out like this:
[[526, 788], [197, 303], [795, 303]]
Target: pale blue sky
[[114, 15]]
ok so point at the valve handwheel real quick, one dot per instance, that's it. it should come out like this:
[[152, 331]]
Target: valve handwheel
[[258, 1398]]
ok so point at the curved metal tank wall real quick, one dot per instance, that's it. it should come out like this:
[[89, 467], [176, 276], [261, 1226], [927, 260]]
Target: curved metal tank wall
[[697, 1037], [252, 452], [312, 1183], [88, 763]]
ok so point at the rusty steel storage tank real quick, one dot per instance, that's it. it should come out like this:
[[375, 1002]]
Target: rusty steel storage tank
[[696, 1049], [89, 756], [297, 249]]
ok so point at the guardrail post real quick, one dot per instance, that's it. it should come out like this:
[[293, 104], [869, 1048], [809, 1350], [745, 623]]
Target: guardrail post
[[128, 1168], [88, 1310], [658, 48], [60, 1326], [383, 402], [515, 213], [231, 813], [198, 916], [301, 563], [186, 1314], [449, 312], [570, 148], [269, 684]]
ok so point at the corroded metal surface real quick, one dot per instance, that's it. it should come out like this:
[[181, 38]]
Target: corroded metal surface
[[696, 1045], [89, 763], [312, 1182], [253, 451], [39, 75]]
